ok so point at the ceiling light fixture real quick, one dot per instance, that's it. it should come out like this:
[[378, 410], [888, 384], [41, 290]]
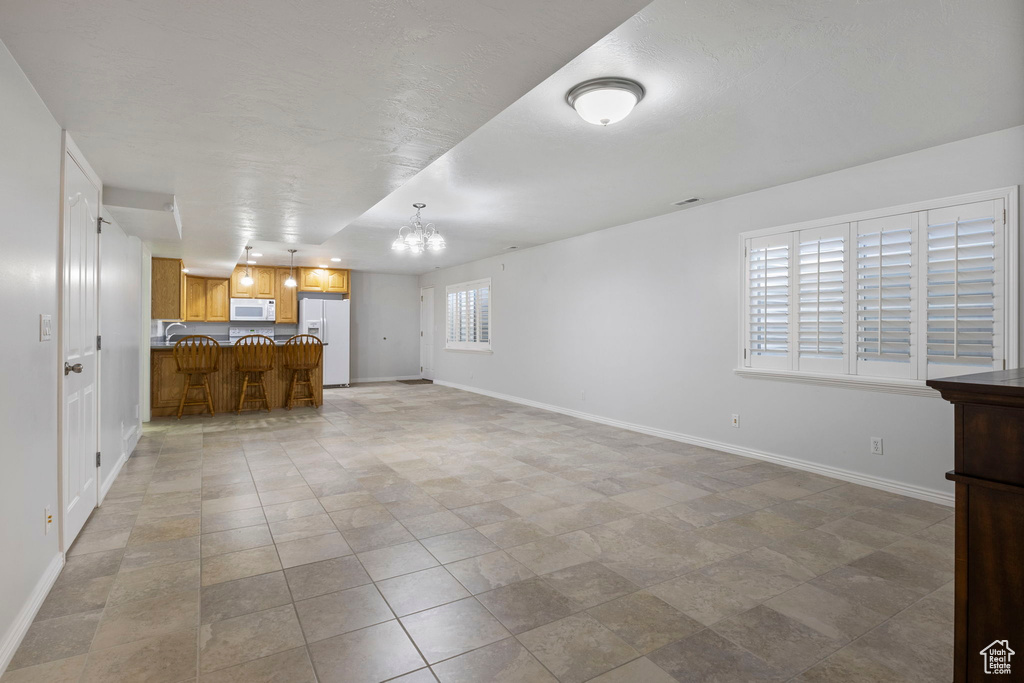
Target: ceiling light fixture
[[322, 265], [255, 255], [290, 282], [247, 278], [602, 101], [336, 259], [418, 236]]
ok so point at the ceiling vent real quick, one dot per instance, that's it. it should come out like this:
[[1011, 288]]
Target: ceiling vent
[[688, 200], [510, 248]]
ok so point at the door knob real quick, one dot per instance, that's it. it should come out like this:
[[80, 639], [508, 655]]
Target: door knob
[[69, 368]]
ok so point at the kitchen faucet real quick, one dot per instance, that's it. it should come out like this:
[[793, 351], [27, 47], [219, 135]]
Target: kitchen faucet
[[167, 331]]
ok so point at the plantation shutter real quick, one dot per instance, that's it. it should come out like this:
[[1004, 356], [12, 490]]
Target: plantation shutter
[[769, 307], [965, 280], [886, 294], [822, 307], [469, 315]]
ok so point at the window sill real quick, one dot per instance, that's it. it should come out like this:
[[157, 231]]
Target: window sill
[[486, 351], [907, 387]]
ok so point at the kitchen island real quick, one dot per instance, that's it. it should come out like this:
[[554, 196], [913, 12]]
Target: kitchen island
[[166, 382]]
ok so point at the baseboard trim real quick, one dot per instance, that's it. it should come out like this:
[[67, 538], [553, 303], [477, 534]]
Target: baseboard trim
[[384, 379], [15, 634], [892, 486]]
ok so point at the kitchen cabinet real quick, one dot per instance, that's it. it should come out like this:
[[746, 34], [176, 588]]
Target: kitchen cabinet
[[332, 280], [287, 304], [238, 290], [195, 299], [167, 289], [265, 282], [217, 300], [337, 281]]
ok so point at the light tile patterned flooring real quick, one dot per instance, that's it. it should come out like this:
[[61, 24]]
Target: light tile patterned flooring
[[406, 526]]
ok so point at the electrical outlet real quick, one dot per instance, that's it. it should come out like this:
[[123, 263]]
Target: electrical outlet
[[49, 520], [876, 445], [736, 420]]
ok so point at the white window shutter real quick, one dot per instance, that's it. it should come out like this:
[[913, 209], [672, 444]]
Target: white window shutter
[[886, 295], [965, 282], [769, 312], [822, 299], [469, 315]]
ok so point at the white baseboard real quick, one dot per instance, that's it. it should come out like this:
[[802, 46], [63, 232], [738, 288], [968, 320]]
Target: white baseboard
[[919, 492], [15, 634], [384, 379]]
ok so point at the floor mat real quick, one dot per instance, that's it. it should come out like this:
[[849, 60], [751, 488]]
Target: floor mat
[[416, 381]]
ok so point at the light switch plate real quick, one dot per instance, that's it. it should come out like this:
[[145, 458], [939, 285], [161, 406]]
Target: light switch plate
[[45, 328]]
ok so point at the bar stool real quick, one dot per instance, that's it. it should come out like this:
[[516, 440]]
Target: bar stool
[[254, 355], [195, 355], [302, 354]]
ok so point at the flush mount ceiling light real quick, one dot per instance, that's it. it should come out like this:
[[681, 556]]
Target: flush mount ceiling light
[[417, 236], [602, 101], [247, 278], [336, 259], [290, 282]]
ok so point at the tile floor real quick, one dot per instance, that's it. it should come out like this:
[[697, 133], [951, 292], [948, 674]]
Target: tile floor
[[419, 533]]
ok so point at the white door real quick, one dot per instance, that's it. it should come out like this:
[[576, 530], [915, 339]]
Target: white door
[[80, 407], [427, 332]]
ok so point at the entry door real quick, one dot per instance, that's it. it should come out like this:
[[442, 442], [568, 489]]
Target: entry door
[[80, 405], [427, 332]]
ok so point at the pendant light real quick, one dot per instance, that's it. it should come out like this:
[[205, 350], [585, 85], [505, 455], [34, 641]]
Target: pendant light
[[417, 236], [247, 278], [602, 101], [290, 282]]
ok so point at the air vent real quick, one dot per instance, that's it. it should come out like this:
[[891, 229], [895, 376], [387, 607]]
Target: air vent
[[510, 248], [684, 202]]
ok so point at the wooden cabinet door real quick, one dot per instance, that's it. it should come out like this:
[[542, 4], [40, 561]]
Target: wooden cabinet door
[[337, 281], [287, 305], [168, 290], [218, 308], [311, 280], [167, 383], [237, 289], [264, 285], [195, 299]]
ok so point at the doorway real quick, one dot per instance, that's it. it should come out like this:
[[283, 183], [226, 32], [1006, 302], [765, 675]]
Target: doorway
[[427, 332], [79, 379]]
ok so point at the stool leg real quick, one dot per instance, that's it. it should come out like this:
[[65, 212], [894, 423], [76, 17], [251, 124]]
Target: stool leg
[[241, 397], [263, 387], [291, 389], [184, 393], [209, 397]]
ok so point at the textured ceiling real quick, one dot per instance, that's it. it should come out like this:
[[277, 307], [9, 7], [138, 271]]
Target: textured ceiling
[[284, 121], [741, 95]]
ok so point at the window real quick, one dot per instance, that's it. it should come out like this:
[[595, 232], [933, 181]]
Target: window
[[469, 316], [885, 298]]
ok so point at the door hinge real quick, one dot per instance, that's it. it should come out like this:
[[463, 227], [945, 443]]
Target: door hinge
[[421, 333], [421, 368], [99, 224], [744, 354], [99, 342], [97, 458]]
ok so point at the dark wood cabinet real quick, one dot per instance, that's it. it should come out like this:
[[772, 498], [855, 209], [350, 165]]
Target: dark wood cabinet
[[989, 476]]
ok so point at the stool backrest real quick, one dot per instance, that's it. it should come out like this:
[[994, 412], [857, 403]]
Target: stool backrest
[[255, 352], [197, 353], [303, 352]]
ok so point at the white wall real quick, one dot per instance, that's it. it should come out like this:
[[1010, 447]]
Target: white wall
[[643, 318], [121, 270], [29, 202], [385, 327]]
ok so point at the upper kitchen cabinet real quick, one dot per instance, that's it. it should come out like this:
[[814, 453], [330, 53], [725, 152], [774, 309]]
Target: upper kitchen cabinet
[[337, 281], [195, 299], [287, 306], [332, 280], [311, 280], [168, 289], [238, 290], [218, 306], [265, 285]]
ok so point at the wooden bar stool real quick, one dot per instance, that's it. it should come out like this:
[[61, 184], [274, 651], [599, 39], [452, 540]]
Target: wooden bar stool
[[302, 355], [196, 355], [254, 355]]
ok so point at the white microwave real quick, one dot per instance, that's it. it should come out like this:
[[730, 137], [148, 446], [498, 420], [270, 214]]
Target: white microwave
[[256, 310]]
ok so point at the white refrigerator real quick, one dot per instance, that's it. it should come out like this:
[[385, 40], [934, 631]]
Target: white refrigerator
[[328, 321]]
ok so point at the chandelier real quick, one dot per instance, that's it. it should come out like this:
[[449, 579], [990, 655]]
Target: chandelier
[[416, 236]]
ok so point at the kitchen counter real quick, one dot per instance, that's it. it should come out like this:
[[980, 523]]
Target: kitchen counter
[[223, 341], [166, 382]]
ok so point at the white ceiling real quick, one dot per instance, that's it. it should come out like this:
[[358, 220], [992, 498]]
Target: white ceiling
[[274, 126], [284, 121], [741, 95]]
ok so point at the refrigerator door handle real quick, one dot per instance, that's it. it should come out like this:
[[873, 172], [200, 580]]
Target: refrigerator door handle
[[326, 337]]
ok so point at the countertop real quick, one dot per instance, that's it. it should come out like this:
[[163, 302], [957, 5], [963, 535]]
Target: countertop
[[223, 341]]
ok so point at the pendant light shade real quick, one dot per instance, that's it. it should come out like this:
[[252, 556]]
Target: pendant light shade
[[417, 236], [290, 282], [603, 101]]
